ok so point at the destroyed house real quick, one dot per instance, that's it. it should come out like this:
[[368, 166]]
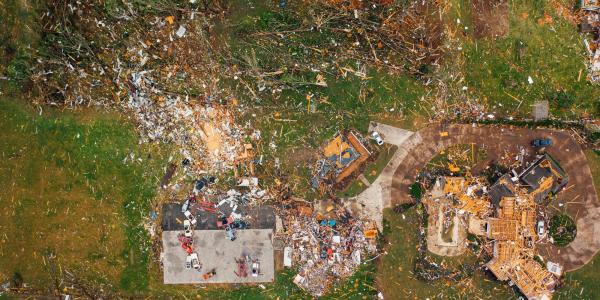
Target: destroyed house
[[504, 254], [468, 193], [534, 281], [342, 156], [354, 165], [502, 229], [511, 225], [513, 233], [542, 177], [453, 185], [475, 205]]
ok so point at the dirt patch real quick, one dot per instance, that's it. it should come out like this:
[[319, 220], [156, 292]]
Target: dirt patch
[[422, 29], [490, 18], [301, 157]]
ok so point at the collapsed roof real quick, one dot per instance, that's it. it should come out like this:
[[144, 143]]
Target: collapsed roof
[[506, 214]]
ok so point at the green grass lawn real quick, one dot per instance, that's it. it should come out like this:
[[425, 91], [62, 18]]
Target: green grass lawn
[[553, 54], [371, 171], [68, 192], [359, 286]]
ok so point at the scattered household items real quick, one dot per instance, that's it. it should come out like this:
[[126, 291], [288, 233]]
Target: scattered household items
[[230, 216], [230, 233], [224, 221], [187, 227], [242, 267], [191, 218], [255, 268], [287, 257], [326, 245], [217, 257], [206, 206], [186, 243], [206, 220], [209, 274]]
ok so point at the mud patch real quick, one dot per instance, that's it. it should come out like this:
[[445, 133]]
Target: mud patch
[[490, 18]]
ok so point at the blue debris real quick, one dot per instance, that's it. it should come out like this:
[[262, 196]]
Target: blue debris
[[200, 184]]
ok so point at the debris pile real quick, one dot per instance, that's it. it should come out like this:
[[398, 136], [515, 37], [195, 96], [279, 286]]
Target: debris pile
[[206, 208], [327, 246], [161, 69], [206, 133], [201, 125], [230, 207], [411, 32], [508, 214], [342, 156]]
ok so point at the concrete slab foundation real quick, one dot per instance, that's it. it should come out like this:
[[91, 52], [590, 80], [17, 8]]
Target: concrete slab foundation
[[217, 252]]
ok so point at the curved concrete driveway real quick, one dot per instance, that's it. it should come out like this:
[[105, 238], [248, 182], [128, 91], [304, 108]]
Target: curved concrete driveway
[[579, 199]]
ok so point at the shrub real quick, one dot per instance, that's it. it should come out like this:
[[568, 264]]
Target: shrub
[[562, 229], [17, 280], [416, 191], [561, 99]]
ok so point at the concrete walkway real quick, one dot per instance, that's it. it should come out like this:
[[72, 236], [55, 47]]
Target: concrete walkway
[[390, 134], [415, 150]]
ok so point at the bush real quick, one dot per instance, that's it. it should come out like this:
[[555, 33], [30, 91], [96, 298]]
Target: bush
[[18, 69], [403, 207], [561, 99], [416, 191], [17, 280], [562, 229]]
